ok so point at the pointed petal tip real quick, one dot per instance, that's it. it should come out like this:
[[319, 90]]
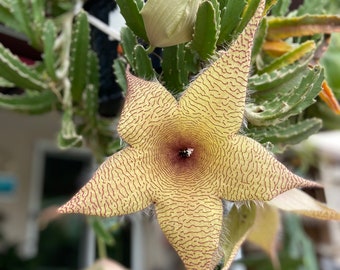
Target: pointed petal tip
[[76, 205], [66, 209], [310, 184], [61, 210], [81, 203], [298, 182], [71, 207]]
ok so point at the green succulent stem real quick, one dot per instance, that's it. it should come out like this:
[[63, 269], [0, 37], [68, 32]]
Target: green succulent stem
[[150, 49], [101, 248]]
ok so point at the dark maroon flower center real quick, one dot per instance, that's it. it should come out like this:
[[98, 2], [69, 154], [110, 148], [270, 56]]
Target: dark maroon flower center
[[185, 152]]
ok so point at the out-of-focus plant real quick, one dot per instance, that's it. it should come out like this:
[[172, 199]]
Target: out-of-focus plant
[[297, 251], [67, 77], [284, 84]]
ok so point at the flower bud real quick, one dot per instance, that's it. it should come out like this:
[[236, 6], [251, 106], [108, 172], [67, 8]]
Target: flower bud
[[169, 23]]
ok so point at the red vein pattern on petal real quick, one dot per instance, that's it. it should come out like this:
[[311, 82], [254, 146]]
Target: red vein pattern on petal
[[252, 173], [119, 186], [148, 105], [217, 96], [192, 226]]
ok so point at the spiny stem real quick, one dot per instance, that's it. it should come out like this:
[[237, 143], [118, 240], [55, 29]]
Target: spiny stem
[[150, 49]]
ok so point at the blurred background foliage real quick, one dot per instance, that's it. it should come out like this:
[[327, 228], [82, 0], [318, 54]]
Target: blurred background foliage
[[294, 84]]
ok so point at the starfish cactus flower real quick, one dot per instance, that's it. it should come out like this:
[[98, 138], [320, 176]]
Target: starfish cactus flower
[[185, 156]]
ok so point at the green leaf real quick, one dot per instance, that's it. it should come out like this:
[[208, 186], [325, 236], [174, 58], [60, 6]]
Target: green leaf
[[216, 7], [105, 127], [259, 39], [331, 62], [298, 244], [312, 7], [115, 145], [5, 83], [269, 5], [143, 65], [270, 84], [93, 69], [49, 57], [303, 50], [30, 102], [91, 90], [38, 12], [130, 10], [281, 8], [68, 136], [175, 75], [237, 225], [15, 71], [285, 104], [330, 120], [7, 17], [191, 63], [205, 31], [178, 62], [23, 14], [307, 25], [247, 14], [129, 41], [286, 133], [230, 17], [119, 67], [79, 56], [101, 231]]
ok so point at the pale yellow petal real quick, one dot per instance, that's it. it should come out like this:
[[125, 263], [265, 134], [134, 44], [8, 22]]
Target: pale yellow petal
[[237, 224], [301, 203], [192, 224], [216, 98], [120, 186], [265, 230], [250, 172], [148, 105]]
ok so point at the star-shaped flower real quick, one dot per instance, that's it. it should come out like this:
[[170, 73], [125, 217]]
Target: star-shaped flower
[[186, 156]]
